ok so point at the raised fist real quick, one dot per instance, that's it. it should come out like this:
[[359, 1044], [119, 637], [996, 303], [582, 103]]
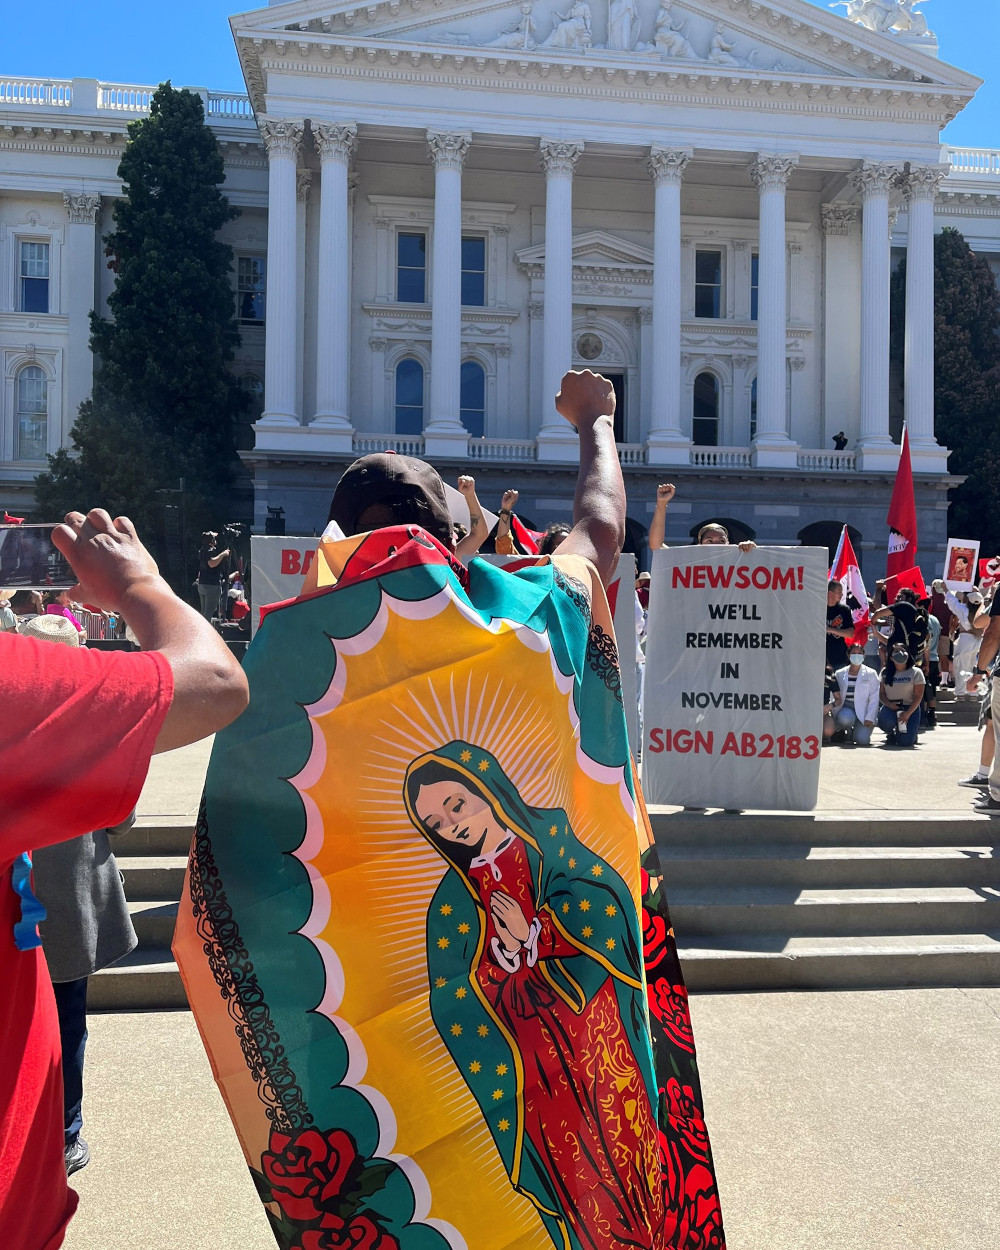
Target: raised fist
[[665, 492], [467, 485], [584, 397], [509, 500]]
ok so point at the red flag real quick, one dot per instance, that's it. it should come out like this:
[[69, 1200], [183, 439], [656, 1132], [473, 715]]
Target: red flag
[[846, 571], [902, 516], [911, 579], [12, 520], [525, 540]]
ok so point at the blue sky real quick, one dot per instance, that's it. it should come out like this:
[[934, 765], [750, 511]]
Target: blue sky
[[188, 41]]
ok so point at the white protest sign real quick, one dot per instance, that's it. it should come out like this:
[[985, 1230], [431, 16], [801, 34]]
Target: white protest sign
[[961, 563], [278, 566], [735, 657]]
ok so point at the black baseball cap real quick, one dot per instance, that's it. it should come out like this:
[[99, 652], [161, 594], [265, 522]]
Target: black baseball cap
[[411, 489]]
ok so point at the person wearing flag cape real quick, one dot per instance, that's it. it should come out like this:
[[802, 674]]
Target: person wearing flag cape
[[543, 933]]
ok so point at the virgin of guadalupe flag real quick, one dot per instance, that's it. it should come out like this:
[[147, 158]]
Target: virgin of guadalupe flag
[[845, 570], [423, 930]]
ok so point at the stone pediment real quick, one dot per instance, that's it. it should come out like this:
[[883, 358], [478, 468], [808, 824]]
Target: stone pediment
[[595, 250], [693, 39]]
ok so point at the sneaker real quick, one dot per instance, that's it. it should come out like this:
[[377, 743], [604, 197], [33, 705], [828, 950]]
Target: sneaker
[[976, 782], [77, 1154], [988, 804]]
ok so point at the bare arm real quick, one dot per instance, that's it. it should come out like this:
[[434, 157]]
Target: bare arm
[[587, 401], [987, 652], [116, 571], [658, 525], [476, 536], [215, 561]]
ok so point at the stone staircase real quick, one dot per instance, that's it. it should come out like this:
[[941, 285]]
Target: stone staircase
[[832, 901], [152, 857], [759, 902]]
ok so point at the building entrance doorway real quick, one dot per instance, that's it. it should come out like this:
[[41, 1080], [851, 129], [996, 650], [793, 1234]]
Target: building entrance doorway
[[619, 382]]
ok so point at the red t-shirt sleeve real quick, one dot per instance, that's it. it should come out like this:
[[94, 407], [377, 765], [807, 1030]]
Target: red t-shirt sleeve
[[77, 730]]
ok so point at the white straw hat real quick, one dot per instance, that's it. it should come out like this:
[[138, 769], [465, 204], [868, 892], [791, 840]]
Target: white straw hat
[[50, 628]]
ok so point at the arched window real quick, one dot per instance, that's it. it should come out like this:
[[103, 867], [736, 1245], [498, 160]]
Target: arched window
[[253, 387], [409, 397], [827, 534], [753, 410], [705, 423], [31, 441], [472, 399]]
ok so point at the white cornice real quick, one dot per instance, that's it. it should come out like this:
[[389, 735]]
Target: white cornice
[[612, 78]]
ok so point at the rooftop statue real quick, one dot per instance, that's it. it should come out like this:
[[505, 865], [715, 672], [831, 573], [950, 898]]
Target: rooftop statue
[[623, 25], [572, 28], [670, 38], [520, 35], [886, 16]]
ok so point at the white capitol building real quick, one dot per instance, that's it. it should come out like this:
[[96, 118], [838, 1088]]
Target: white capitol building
[[444, 205]]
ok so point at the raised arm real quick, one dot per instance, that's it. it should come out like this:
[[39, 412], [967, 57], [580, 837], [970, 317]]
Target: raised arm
[[117, 572], [658, 525], [587, 401], [476, 536]]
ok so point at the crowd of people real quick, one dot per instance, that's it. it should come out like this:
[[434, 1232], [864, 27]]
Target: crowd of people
[[888, 673]]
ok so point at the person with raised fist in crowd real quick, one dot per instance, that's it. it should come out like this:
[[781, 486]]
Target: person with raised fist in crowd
[[76, 737], [713, 534]]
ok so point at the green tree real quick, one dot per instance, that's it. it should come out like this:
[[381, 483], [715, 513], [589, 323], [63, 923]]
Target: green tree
[[165, 404], [966, 379]]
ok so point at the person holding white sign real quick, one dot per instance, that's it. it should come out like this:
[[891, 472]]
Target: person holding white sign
[[711, 534]]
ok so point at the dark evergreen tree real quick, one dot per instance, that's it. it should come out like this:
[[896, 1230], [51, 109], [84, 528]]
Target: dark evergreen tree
[[966, 379], [165, 404]]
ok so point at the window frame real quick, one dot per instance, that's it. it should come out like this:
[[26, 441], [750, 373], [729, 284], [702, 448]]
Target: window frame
[[719, 391], [21, 277], [755, 286], [249, 323], [483, 238], [409, 358], [720, 251], [463, 409], [416, 232], [18, 411]]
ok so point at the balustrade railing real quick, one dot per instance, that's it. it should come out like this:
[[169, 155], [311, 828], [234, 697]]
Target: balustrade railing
[[365, 444], [41, 92], [827, 461], [221, 104], [974, 161], [502, 449], [720, 457], [124, 98], [631, 453]]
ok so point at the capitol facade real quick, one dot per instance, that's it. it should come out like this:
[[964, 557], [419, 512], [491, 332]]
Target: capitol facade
[[445, 204]]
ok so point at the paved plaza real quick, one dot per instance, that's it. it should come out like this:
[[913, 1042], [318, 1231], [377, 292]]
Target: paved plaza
[[841, 1121]]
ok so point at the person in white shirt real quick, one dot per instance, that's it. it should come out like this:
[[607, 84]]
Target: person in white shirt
[[856, 708], [965, 609]]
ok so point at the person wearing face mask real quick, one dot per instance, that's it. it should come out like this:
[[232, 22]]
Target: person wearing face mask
[[856, 707], [901, 690]]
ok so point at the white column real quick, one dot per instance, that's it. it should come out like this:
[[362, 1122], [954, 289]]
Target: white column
[[303, 186], [841, 387], [556, 438], [772, 447], [81, 286], [667, 443], [873, 181], [444, 434], [282, 138], [922, 183], [335, 143]]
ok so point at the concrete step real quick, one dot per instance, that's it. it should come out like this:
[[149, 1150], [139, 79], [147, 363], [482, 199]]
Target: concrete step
[[726, 910], [154, 921], [960, 826], [829, 867], [780, 961], [156, 835], [146, 980], [151, 877]]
